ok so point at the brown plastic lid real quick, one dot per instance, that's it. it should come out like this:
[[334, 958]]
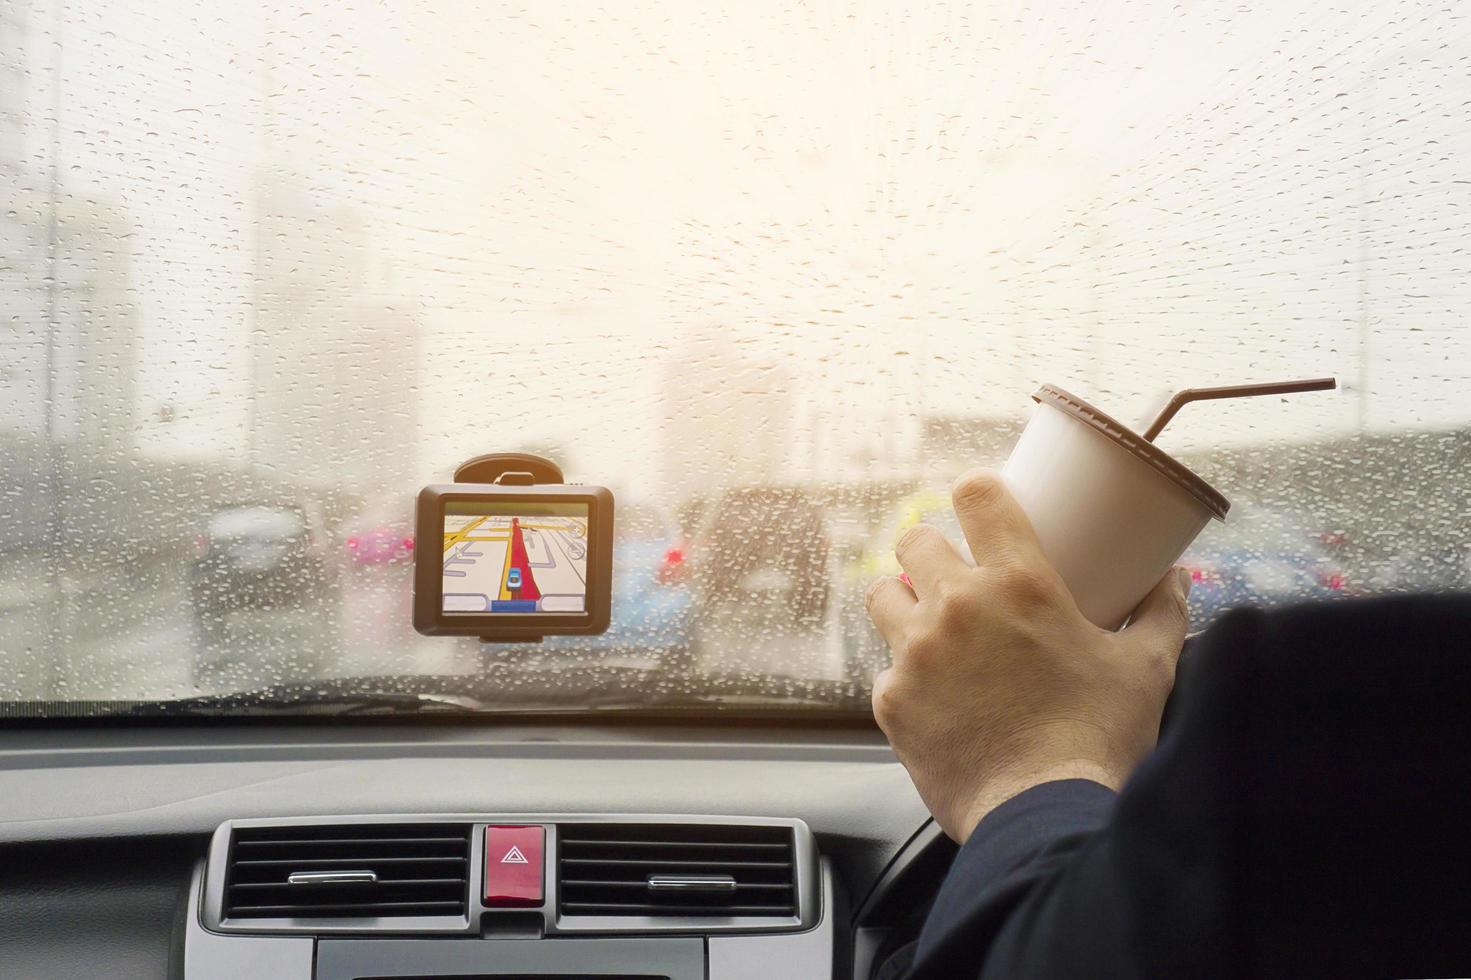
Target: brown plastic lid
[[1172, 468]]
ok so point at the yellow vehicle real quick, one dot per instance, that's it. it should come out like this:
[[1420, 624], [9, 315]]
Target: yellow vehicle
[[864, 650], [931, 507]]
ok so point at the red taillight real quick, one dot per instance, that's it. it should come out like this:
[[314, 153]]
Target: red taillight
[[408, 543], [671, 566], [352, 543], [1205, 574], [1333, 580]]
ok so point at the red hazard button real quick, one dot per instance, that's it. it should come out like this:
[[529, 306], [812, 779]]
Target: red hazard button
[[513, 865]]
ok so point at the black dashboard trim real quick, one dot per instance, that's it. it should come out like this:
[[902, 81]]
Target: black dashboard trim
[[899, 901]]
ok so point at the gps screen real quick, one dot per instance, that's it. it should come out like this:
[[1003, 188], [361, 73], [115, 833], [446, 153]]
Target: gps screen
[[515, 557]]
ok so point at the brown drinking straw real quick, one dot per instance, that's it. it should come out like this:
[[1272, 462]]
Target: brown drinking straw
[[1185, 397]]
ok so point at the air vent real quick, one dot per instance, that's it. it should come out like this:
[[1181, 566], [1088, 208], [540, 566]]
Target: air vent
[[675, 870], [363, 870]]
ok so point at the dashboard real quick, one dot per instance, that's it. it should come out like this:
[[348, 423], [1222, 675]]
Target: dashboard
[[520, 850]]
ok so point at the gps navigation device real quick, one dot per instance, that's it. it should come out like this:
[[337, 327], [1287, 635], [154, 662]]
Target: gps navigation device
[[513, 563]]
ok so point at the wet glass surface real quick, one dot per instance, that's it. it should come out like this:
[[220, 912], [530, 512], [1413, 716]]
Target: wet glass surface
[[775, 274]]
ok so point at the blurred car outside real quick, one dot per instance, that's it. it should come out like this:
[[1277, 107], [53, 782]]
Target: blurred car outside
[[652, 597], [1264, 556], [1441, 567], [259, 555], [759, 563], [381, 541]]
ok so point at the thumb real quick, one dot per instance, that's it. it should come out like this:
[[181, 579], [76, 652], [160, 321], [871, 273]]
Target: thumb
[[1160, 622]]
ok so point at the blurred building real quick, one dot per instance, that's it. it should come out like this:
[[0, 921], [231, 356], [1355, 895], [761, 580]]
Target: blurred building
[[22, 242], [952, 444], [68, 324], [727, 419], [334, 359], [14, 35], [68, 319]]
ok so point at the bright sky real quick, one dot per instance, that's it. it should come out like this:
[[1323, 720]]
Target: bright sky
[[905, 211]]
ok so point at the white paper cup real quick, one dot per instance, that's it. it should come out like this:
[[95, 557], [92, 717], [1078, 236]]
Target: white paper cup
[[1112, 511]]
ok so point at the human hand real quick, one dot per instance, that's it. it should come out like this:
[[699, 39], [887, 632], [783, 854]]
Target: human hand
[[999, 683]]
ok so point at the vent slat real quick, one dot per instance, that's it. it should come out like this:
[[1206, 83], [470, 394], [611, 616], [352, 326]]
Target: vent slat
[[696, 845], [353, 908], [382, 882], [302, 863], [644, 885], [714, 863], [422, 869], [362, 831], [335, 842], [603, 869], [654, 908]]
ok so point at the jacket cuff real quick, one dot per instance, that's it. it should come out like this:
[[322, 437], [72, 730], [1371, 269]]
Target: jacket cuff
[[1031, 824]]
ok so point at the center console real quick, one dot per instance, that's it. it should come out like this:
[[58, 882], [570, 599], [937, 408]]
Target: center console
[[570, 897]]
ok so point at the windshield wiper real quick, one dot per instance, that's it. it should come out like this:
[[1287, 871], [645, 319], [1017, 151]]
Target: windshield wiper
[[306, 699], [685, 702], [601, 690]]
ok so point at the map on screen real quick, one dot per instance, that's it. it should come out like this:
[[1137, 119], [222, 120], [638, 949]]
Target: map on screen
[[518, 558]]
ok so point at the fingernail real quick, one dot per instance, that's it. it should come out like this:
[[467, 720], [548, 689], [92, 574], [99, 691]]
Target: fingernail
[[1185, 579]]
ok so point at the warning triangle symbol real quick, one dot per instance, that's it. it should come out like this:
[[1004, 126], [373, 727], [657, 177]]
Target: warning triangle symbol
[[514, 856]]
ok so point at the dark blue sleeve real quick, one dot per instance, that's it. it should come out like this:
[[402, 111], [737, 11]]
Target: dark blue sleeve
[[1018, 847], [1304, 815]]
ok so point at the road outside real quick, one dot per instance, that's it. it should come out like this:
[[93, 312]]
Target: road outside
[[132, 636]]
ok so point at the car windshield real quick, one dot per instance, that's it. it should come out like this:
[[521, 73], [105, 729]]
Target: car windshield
[[773, 273]]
